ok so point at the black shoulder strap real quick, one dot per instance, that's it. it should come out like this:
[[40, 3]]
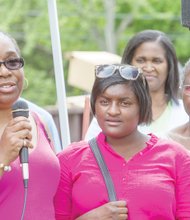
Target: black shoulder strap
[[105, 173]]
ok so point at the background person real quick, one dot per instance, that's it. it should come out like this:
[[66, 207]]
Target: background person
[[181, 134], [151, 176], [154, 53], [16, 133]]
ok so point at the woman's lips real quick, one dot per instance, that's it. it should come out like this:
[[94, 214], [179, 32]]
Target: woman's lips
[[7, 87]]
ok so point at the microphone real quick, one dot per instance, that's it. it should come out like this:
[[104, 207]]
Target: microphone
[[20, 108]]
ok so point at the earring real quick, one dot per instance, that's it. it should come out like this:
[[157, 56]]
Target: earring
[[25, 83]]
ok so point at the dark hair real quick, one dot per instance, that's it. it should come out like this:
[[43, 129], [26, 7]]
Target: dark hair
[[172, 81], [12, 40], [139, 87]]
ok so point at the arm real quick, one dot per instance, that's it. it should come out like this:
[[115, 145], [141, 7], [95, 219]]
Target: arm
[[62, 199]]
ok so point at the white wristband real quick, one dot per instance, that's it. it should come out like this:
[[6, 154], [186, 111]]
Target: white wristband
[[5, 168]]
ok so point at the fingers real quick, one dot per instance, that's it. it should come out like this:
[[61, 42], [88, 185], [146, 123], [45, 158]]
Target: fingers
[[123, 217], [112, 210], [21, 127], [27, 143], [20, 123], [16, 134], [22, 143], [121, 210], [119, 204], [19, 133], [18, 148], [24, 134]]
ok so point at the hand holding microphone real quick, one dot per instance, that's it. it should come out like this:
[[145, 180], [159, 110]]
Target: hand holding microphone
[[20, 108]]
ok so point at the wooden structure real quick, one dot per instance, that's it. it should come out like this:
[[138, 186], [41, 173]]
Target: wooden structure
[[79, 116]]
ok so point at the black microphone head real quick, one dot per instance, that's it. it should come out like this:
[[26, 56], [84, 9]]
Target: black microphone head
[[20, 108]]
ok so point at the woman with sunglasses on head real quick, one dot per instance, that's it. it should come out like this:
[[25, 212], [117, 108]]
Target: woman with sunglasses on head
[[153, 52], [151, 176], [181, 134], [32, 199]]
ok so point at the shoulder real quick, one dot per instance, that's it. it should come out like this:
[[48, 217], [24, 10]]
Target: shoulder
[[163, 144], [173, 148], [41, 111], [74, 156], [74, 150], [43, 114], [177, 131], [177, 156]]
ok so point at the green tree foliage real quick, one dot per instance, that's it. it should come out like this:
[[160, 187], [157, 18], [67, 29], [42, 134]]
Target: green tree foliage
[[86, 25]]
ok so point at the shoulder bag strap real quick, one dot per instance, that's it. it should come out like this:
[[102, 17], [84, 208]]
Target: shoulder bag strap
[[105, 173]]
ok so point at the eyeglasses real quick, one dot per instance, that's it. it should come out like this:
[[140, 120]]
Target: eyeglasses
[[126, 71], [186, 89], [13, 64]]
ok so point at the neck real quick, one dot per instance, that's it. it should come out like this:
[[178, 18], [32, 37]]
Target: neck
[[5, 117], [159, 104], [129, 145], [158, 98]]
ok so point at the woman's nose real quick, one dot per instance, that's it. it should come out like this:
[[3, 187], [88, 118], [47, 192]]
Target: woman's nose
[[113, 109], [148, 67], [4, 71]]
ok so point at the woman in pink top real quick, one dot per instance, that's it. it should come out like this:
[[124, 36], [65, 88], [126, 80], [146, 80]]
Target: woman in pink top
[[151, 176], [34, 201]]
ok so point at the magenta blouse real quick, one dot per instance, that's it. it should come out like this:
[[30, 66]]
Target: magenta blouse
[[44, 174], [155, 182]]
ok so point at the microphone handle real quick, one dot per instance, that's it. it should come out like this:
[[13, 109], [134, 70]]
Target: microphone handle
[[24, 155], [24, 164]]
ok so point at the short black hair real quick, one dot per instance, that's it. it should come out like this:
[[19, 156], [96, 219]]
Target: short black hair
[[139, 87]]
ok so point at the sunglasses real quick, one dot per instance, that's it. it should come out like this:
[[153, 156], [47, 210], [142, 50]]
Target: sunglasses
[[126, 71], [186, 89], [13, 64]]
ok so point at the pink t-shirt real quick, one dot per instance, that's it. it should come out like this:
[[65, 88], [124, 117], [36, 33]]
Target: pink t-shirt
[[44, 174], [155, 182]]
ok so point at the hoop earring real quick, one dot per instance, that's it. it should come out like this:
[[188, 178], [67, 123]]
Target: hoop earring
[[25, 83]]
